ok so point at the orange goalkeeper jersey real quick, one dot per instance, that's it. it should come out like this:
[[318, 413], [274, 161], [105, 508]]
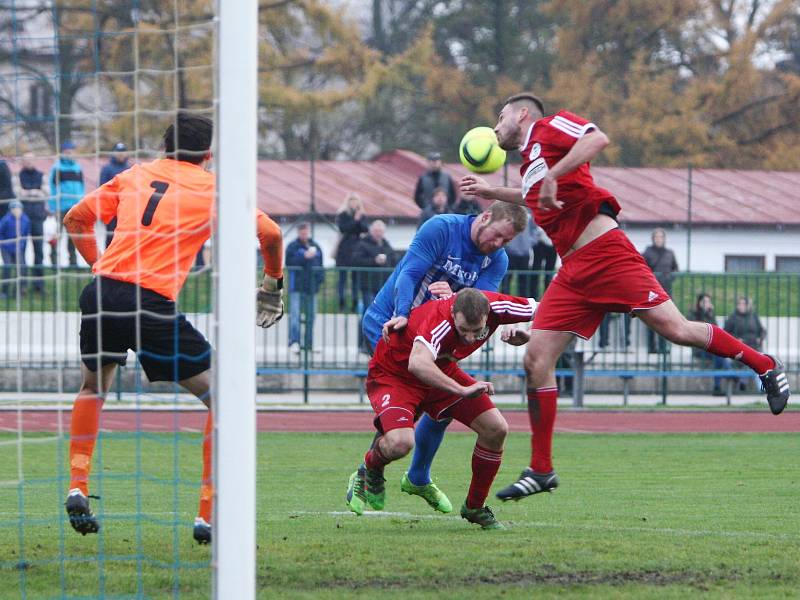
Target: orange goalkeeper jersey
[[164, 212]]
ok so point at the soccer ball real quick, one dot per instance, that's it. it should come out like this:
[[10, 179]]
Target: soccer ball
[[479, 151]]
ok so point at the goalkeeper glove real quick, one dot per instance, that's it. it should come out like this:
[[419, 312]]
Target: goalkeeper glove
[[269, 303]]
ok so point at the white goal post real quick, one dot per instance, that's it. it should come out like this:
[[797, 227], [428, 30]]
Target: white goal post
[[234, 377]]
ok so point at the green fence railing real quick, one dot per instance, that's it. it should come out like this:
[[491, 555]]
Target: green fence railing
[[40, 331]]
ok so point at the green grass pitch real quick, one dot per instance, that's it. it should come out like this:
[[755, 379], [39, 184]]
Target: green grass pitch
[[637, 516]]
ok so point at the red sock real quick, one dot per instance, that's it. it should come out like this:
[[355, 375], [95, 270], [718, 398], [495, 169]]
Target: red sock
[[485, 464], [374, 458], [542, 414], [722, 343], [83, 429], [206, 484]]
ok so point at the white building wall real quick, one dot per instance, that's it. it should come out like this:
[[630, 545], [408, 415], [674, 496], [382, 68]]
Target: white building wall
[[709, 246]]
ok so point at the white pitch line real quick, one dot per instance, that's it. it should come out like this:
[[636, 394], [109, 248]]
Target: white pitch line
[[383, 513], [29, 440], [540, 524], [191, 430]]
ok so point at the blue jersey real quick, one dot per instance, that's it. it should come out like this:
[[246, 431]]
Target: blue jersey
[[442, 250]]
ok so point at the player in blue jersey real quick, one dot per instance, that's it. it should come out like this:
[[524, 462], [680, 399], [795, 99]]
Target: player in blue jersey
[[449, 252]]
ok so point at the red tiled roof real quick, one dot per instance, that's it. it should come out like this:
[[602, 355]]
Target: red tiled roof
[[647, 195]]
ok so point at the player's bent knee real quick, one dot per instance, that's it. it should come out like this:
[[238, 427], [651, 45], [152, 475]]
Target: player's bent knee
[[496, 433], [535, 364], [492, 429], [397, 443]]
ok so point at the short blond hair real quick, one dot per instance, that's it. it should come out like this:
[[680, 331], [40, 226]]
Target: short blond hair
[[518, 215]]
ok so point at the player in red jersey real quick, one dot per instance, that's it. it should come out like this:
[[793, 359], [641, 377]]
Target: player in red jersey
[[415, 372], [601, 271]]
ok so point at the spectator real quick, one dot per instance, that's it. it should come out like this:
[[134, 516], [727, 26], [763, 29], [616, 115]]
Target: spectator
[[31, 190], [438, 206], [745, 325], [544, 260], [703, 311], [663, 264], [432, 179], [303, 254], [605, 325], [115, 165], [15, 227], [66, 188], [519, 259], [352, 225], [6, 188], [373, 251]]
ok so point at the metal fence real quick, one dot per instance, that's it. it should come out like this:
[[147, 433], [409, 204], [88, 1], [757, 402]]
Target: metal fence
[[39, 337]]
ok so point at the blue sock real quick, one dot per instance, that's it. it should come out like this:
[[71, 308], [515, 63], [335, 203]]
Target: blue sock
[[427, 438]]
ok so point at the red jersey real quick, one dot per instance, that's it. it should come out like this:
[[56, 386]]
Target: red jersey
[[547, 142], [432, 324]]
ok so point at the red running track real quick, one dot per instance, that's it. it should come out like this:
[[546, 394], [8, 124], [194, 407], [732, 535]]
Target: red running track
[[361, 421]]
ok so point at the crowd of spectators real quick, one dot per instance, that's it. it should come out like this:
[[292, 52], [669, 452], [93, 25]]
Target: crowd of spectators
[[32, 205]]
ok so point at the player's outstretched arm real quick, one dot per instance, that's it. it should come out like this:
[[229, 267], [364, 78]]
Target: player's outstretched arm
[[422, 365], [472, 185], [269, 297]]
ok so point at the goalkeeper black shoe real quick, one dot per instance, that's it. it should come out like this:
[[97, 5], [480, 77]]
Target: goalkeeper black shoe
[[202, 531], [776, 386], [80, 515], [529, 483]]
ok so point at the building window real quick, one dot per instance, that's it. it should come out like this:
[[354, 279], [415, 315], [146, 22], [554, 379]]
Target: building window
[[41, 100], [787, 264], [742, 263]]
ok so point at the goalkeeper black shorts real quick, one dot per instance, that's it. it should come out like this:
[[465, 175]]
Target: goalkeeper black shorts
[[117, 316]]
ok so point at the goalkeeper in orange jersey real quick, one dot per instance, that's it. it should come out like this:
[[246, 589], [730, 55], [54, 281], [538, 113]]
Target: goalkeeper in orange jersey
[[164, 211]]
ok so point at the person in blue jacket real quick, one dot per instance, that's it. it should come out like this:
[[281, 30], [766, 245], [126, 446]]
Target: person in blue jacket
[[15, 227], [115, 165], [448, 253], [305, 279], [66, 190]]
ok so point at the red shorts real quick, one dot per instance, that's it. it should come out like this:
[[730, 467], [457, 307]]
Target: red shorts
[[606, 275], [398, 401]]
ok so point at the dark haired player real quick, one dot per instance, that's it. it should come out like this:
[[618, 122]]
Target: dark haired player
[[601, 270], [164, 211], [415, 372]]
